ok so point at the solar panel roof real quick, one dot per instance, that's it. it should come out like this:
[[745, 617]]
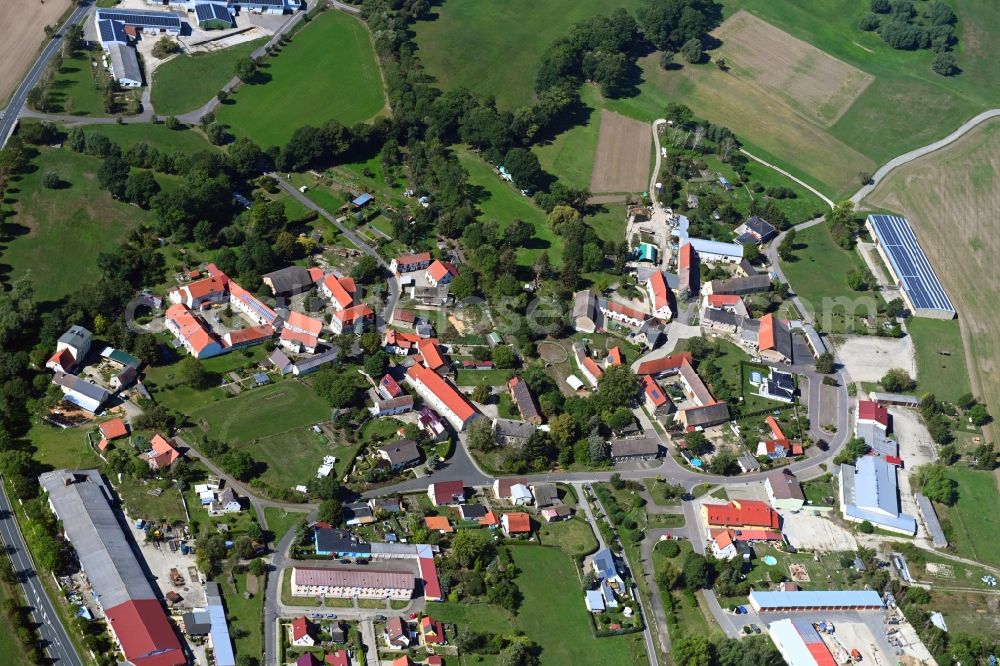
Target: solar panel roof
[[910, 263], [260, 3], [141, 18], [210, 11], [111, 31]]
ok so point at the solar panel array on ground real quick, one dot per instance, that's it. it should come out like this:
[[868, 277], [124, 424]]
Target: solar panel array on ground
[[141, 18], [909, 263]]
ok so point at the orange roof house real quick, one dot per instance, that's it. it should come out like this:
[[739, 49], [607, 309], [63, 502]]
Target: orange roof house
[[250, 335], [442, 396], [432, 354], [303, 323], [516, 523], [439, 524], [184, 326], [162, 453], [113, 429], [337, 290], [776, 431], [432, 631], [665, 365], [441, 272], [351, 316], [614, 356], [741, 513], [489, 520]]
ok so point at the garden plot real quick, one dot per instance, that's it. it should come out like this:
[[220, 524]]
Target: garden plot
[[623, 155]]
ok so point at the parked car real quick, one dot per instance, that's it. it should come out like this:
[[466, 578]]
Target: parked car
[[331, 616], [755, 628]]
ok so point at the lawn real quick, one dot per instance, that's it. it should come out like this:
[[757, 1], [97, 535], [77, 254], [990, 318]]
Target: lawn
[[818, 275], [139, 503], [257, 414], [187, 81], [188, 141], [280, 521], [331, 58], [570, 154], [500, 201], [60, 448], [245, 616], [941, 367], [971, 523], [573, 535], [78, 90], [11, 652], [508, 39], [170, 391], [58, 233], [552, 613], [292, 456]]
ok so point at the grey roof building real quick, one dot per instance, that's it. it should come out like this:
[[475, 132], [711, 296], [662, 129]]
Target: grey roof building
[[640, 448], [401, 453], [125, 65], [82, 501], [546, 494], [509, 431], [289, 280], [741, 286], [314, 363], [585, 311]]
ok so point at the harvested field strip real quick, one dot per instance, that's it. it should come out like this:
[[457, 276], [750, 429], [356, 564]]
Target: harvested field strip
[[22, 34], [950, 198], [811, 82], [767, 125], [622, 160]]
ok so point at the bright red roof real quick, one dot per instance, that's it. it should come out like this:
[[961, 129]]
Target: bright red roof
[[190, 328], [352, 314], [315, 273], [615, 356], [441, 269], [432, 630], [300, 627], [444, 391], [304, 339], [145, 634], [432, 355], [592, 367], [250, 334], [742, 512], [661, 293], [723, 300], [304, 323], [113, 429], [653, 391], [517, 523], [420, 257], [872, 411], [445, 492], [428, 573], [439, 524], [64, 359], [338, 658], [658, 365], [206, 287], [776, 431], [765, 338], [687, 256], [489, 519], [338, 291], [391, 386]]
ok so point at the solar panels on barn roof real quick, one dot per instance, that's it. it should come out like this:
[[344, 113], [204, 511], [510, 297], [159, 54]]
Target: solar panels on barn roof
[[261, 3], [909, 263], [212, 11], [112, 32], [141, 18]]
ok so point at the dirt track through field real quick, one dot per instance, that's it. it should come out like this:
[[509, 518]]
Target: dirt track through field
[[22, 31], [950, 198], [812, 82], [622, 160]]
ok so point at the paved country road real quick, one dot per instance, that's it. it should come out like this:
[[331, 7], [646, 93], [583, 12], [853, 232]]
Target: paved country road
[[20, 97], [43, 613]]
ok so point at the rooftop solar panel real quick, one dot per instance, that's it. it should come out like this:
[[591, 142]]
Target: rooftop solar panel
[[260, 3], [910, 263], [210, 11], [141, 18]]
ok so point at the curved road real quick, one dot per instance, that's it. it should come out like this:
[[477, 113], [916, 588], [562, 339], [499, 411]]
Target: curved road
[[789, 176]]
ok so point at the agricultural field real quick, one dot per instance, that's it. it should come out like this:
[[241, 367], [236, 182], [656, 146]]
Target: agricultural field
[[952, 194], [333, 58], [500, 201], [807, 80], [818, 275], [56, 234], [623, 155], [826, 109], [259, 413], [22, 32], [184, 83], [552, 613]]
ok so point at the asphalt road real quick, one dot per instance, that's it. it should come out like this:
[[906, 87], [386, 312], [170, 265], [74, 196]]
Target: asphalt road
[[20, 97], [54, 635], [394, 290]]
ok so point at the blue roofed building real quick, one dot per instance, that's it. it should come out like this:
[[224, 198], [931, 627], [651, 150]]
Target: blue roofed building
[[362, 200], [869, 490], [222, 645], [817, 600], [213, 16], [898, 245], [594, 600]]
